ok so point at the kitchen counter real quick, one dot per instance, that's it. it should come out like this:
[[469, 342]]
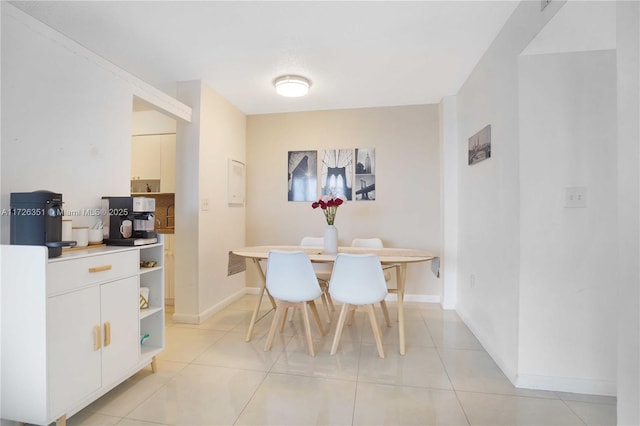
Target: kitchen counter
[[169, 230]]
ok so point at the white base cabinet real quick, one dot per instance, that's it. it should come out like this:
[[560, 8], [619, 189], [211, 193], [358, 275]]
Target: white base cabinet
[[72, 325]]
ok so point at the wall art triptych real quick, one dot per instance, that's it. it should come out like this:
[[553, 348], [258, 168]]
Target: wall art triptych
[[337, 172]]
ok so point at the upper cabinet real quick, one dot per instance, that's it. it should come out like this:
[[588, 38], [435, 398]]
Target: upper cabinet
[[146, 152], [153, 157], [168, 164]]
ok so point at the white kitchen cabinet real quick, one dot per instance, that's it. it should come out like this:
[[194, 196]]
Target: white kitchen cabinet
[[153, 157], [146, 154], [71, 326], [168, 164]]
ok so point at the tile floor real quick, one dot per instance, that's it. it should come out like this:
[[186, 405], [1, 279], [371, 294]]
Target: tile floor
[[208, 375]]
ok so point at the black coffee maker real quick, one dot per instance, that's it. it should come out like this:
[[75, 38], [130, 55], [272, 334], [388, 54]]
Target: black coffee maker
[[36, 219]]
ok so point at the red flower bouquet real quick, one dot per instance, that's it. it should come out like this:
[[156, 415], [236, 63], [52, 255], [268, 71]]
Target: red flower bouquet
[[329, 207]]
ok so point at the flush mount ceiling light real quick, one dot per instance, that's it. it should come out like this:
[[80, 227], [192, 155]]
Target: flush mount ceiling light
[[292, 86]]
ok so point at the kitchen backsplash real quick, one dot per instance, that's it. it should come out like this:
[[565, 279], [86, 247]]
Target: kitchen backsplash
[[165, 210]]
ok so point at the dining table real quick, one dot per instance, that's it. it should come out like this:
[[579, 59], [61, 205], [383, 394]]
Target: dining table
[[396, 258]]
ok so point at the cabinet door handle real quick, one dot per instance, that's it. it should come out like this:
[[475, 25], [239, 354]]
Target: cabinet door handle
[[96, 338], [107, 334], [99, 268]]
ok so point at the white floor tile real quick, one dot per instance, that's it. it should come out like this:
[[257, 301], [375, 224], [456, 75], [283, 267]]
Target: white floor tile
[[416, 334], [86, 418], [402, 405], [296, 359], [492, 410], [285, 399], [200, 395], [186, 344], [420, 367], [234, 352], [475, 371], [131, 393], [447, 333], [578, 397], [594, 414]]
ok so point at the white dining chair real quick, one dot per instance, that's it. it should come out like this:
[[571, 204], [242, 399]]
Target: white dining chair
[[376, 243], [290, 279], [357, 280], [323, 273]]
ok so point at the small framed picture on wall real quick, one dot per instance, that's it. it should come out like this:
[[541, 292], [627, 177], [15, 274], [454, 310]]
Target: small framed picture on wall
[[303, 176], [365, 180], [480, 146]]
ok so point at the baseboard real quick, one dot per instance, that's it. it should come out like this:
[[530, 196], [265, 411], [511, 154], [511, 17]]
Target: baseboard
[[420, 298], [186, 318], [567, 384], [204, 315]]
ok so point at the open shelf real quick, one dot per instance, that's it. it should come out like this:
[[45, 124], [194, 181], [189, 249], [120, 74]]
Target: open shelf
[[149, 311], [147, 270]]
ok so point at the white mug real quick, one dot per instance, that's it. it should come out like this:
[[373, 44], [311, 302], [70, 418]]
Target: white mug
[[95, 236], [126, 228], [81, 236]]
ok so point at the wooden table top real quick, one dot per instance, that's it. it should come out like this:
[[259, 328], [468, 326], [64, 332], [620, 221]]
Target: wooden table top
[[386, 255]]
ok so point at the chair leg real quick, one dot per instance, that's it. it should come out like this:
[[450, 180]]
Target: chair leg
[[339, 327], [325, 303], [307, 328], [352, 313], [284, 317], [385, 311], [376, 330], [314, 311], [280, 310], [325, 290]]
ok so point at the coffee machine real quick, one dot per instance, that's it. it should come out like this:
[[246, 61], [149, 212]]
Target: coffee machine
[[36, 219], [128, 221]]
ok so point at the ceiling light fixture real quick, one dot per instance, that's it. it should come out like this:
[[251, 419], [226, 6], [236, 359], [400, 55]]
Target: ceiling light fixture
[[292, 86]]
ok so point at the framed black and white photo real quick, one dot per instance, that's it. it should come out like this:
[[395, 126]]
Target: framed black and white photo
[[336, 173], [480, 146], [303, 176], [235, 183], [365, 179]]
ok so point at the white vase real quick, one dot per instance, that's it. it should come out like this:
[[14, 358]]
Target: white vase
[[331, 239]]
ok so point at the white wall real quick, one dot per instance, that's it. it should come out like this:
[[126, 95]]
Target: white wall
[[204, 237], [449, 153], [406, 212], [489, 192], [628, 233], [66, 118], [567, 110], [152, 122], [66, 123]]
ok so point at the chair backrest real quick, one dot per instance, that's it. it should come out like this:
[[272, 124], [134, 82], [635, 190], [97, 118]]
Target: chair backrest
[[357, 279], [317, 242], [312, 242], [367, 242], [290, 276]]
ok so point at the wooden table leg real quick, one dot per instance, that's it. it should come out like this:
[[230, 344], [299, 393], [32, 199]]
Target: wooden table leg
[[402, 274], [263, 288]]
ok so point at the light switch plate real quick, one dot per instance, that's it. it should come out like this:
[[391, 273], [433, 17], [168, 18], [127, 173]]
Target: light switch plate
[[575, 197], [204, 204]]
